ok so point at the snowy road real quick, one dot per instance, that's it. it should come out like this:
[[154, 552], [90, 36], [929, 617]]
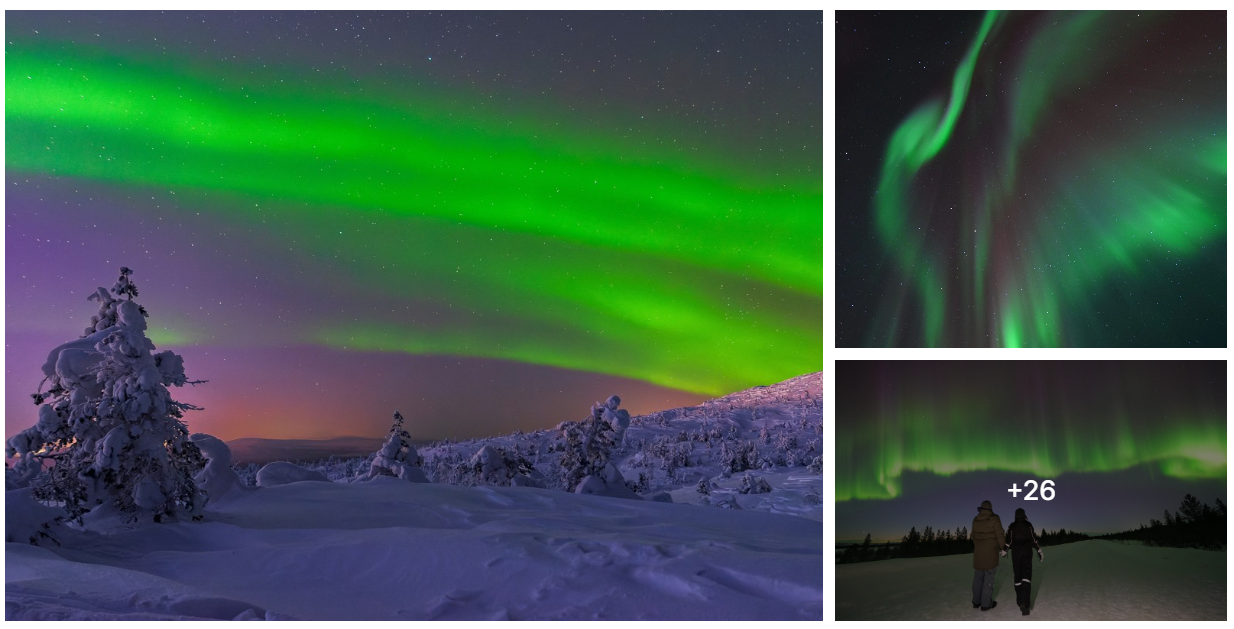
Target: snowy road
[[1093, 580]]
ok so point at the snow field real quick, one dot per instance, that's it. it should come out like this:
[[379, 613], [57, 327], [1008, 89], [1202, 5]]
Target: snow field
[[1091, 580], [392, 550]]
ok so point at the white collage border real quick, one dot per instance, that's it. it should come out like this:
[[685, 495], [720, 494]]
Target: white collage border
[[851, 353]]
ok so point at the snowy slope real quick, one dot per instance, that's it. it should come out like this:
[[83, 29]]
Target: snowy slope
[[393, 550], [1091, 580], [674, 449]]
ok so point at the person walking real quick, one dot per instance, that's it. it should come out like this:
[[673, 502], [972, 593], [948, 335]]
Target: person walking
[[1022, 540], [988, 538]]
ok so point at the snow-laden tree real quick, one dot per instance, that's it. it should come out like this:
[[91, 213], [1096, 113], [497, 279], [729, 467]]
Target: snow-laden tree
[[754, 485], [816, 466], [107, 423], [587, 452], [397, 456], [738, 456], [217, 478], [588, 444], [617, 418], [704, 487], [491, 465]]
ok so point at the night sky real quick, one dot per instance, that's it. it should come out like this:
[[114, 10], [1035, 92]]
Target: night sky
[[923, 443], [1031, 179], [485, 220]]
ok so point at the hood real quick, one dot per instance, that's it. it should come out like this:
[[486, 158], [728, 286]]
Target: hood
[[1019, 514]]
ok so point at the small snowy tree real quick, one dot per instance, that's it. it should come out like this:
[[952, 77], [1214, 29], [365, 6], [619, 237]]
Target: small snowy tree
[[751, 484], [704, 487], [217, 478], [397, 457], [816, 466], [738, 457], [107, 422]]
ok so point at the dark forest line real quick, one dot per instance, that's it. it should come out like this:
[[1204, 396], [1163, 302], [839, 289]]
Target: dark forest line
[[1193, 525], [931, 543]]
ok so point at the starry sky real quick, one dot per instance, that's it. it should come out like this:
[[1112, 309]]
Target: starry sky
[[923, 442], [1031, 179], [485, 220]]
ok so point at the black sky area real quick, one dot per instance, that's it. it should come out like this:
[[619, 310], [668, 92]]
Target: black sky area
[[887, 63]]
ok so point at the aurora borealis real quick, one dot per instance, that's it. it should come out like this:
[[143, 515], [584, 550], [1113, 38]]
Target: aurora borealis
[[916, 441], [357, 212], [1031, 179]]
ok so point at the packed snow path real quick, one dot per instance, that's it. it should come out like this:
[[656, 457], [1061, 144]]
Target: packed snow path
[[1092, 580], [393, 550]]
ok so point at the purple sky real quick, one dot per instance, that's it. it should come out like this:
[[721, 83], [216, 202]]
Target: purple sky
[[249, 302]]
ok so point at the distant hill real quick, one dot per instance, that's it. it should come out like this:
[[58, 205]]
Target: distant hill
[[254, 450]]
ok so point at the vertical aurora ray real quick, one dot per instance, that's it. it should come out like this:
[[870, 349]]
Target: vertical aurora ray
[[1045, 419], [513, 235], [1071, 156]]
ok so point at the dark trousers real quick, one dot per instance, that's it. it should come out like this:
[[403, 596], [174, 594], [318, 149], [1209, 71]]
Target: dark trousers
[[1022, 568], [983, 587]]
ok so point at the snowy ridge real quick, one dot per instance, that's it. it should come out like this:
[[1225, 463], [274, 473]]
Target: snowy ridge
[[770, 432], [802, 390]]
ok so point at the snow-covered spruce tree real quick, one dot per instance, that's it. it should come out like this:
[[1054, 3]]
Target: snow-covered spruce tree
[[397, 457], [587, 452], [588, 446], [107, 422]]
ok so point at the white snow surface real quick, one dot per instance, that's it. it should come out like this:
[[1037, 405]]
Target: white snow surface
[[392, 550], [1090, 580], [278, 473]]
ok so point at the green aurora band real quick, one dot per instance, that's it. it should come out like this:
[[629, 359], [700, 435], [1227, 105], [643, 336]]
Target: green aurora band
[[1104, 212], [526, 239], [1046, 426]]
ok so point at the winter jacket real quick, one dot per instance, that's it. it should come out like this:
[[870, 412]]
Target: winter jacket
[[1020, 535], [987, 536]]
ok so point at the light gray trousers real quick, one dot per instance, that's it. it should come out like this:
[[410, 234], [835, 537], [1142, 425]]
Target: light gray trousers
[[983, 587]]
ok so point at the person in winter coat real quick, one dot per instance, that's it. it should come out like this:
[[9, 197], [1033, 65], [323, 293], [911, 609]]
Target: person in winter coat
[[988, 538], [1021, 540]]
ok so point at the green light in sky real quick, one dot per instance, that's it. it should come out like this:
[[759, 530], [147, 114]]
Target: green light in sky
[[1041, 418], [531, 242], [1031, 231]]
